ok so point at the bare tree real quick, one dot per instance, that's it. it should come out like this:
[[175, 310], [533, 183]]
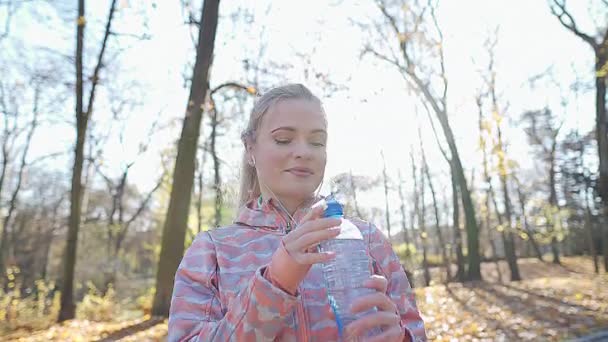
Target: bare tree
[[120, 215], [503, 164], [542, 131], [386, 209], [523, 199], [420, 212], [442, 244], [83, 116], [216, 121], [175, 226], [599, 45], [420, 43], [402, 208]]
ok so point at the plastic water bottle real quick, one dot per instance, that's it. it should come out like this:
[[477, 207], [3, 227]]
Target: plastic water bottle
[[345, 274]]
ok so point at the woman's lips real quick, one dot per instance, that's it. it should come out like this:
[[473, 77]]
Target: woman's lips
[[300, 171]]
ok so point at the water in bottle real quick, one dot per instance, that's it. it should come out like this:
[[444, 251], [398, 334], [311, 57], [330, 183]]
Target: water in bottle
[[345, 274]]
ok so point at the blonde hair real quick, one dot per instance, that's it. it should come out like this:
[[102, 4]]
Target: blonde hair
[[250, 187]]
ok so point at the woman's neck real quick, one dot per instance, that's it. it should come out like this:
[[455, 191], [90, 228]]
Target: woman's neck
[[290, 204]]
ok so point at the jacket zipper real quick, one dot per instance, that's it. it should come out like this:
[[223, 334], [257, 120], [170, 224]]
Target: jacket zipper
[[301, 317]]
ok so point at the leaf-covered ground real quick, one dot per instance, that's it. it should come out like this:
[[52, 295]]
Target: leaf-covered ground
[[554, 303]]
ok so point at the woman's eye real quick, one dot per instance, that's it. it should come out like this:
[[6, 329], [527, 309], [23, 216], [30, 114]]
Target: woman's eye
[[318, 144], [282, 141]]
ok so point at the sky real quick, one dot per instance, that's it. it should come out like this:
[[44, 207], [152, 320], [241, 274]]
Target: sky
[[374, 113]]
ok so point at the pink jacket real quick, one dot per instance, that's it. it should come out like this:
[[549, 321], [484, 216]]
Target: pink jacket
[[221, 293]]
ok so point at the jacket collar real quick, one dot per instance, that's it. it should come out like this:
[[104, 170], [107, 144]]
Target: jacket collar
[[268, 214]]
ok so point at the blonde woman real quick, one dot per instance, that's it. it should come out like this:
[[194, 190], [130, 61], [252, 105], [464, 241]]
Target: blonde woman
[[260, 279]]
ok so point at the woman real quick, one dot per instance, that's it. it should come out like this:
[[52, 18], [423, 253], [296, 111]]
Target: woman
[[260, 279]]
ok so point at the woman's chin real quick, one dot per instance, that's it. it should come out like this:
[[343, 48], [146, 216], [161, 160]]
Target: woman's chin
[[300, 193]]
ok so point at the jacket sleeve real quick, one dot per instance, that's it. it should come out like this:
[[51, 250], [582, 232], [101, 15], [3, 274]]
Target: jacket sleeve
[[196, 314], [398, 289]]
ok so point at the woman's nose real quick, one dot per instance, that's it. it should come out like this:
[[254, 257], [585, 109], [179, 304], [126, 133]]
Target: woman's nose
[[303, 150]]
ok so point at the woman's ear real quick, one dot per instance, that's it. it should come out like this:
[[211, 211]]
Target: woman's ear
[[250, 157]]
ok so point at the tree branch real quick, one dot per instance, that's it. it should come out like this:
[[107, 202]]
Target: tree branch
[[569, 23], [95, 77]]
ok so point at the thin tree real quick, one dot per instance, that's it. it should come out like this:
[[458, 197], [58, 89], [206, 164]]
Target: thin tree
[[409, 34], [402, 208], [175, 226], [419, 209], [599, 45], [83, 116], [542, 132], [442, 244], [386, 209]]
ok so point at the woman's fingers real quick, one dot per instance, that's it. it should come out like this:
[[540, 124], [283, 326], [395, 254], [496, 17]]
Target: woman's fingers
[[314, 258], [373, 320], [311, 226], [313, 238], [394, 333], [378, 299], [377, 282]]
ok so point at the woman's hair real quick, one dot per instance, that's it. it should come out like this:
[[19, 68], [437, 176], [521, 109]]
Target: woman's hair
[[250, 187]]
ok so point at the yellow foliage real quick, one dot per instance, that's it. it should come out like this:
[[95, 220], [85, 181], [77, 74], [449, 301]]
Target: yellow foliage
[[98, 307], [603, 72], [144, 302], [497, 117], [28, 312]]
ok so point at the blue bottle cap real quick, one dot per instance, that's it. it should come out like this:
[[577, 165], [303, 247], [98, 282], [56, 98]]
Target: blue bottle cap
[[334, 208]]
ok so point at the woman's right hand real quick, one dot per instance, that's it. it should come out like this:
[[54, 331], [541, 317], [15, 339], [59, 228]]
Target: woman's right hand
[[302, 242], [298, 250]]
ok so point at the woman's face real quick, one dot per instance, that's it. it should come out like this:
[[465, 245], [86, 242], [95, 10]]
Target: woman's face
[[290, 149]]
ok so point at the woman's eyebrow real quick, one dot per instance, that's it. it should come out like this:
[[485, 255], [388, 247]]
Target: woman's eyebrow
[[286, 128], [292, 129]]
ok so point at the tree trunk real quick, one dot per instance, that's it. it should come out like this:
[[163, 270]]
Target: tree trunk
[[460, 271], [387, 209], [201, 184], [174, 230], [553, 203], [217, 180], [442, 245], [522, 204], [5, 248], [601, 124], [438, 228], [509, 238], [474, 260], [420, 212], [601, 120], [354, 190], [406, 236], [489, 192], [5, 162], [67, 309]]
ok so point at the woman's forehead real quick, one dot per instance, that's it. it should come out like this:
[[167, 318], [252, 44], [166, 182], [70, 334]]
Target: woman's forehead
[[297, 114]]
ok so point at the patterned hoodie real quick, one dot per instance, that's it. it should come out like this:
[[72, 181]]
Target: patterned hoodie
[[222, 292]]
